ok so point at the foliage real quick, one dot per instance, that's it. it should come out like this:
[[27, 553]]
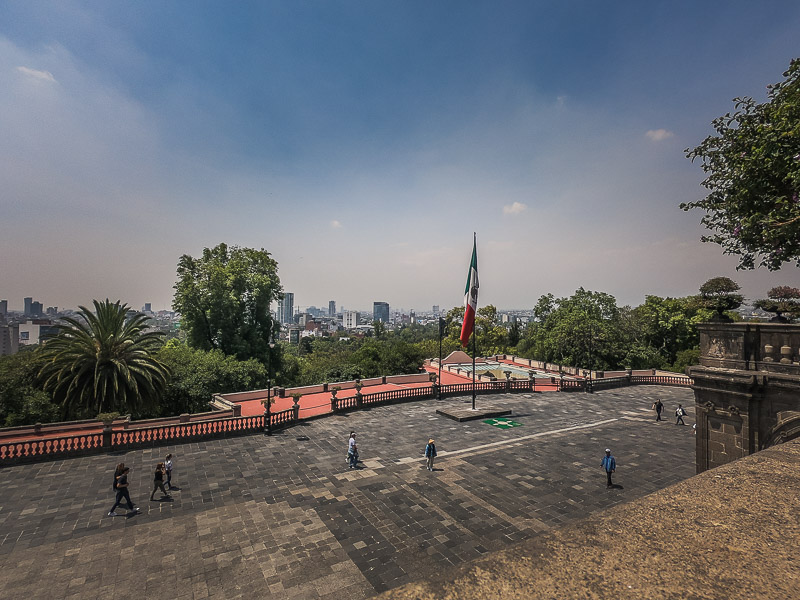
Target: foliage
[[199, 374], [719, 294], [588, 329], [104, 361], [685, 358], [580, 330], [22, 401], [781, 300], [224, 300], [668, 325], [752, 168]]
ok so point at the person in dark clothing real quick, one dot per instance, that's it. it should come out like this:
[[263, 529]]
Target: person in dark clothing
[[158, 481], [430, 453], [122, 493], [658, 406], [610, 465]]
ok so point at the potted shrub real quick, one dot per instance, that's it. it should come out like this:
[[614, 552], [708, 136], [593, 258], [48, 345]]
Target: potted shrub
[[781, 300], [108, 418], [719, 294]]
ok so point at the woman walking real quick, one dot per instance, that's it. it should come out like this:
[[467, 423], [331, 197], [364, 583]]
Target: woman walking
[[158, 481], [122, 493]]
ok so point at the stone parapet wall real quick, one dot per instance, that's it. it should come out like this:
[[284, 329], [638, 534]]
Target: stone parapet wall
[[747, 389], [769, 347]]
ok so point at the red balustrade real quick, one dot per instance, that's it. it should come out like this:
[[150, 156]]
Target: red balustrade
[[74, 445]]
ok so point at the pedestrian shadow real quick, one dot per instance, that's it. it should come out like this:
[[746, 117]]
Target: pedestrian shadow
[[616, 486], [174, 488], [163, 499]]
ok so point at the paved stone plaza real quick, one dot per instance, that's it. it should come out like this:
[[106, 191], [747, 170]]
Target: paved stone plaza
[[284, 517]]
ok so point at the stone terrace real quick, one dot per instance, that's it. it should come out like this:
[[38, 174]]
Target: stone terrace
[[283, 516]]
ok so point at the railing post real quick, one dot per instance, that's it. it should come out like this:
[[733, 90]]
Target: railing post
[[107, 431]]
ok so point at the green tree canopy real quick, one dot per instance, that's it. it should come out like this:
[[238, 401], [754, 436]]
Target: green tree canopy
[[752, 168], [582, 330], [224, 299], [104, 361], [22, 400], [199, 374]]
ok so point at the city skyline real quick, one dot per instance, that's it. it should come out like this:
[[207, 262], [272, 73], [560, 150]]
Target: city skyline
[[362, 144]]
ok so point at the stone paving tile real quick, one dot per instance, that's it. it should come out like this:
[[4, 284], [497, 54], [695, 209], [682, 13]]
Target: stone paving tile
[[284, 517]]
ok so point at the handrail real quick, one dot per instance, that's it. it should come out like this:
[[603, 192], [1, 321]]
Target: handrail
[[110, 440]]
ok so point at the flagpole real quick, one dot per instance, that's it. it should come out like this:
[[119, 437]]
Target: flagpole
[[474, 352]]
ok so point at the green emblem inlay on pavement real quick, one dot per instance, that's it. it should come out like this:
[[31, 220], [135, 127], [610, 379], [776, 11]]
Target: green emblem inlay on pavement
[[502, 423]]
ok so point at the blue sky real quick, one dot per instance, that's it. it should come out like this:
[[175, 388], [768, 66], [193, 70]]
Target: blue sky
[[362, 143]]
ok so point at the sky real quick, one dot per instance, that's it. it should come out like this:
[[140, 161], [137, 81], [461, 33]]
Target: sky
[[362, 143]]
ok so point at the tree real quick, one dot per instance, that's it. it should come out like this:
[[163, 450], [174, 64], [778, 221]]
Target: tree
[[22, 400], [781, 300], [104, 361], [667, 325], [719, 294], [224, 300], [753, 174], [199, 374], [583, 330]]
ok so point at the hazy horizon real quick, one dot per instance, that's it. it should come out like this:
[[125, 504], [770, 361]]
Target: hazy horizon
[[362, 144]]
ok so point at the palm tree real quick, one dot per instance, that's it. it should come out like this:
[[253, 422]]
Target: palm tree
[[104, 361]]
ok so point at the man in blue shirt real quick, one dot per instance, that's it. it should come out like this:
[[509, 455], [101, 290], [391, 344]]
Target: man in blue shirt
[[610, 465]]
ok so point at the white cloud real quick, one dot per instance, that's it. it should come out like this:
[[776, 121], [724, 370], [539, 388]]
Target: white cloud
[[336, 224], [658, 135], [35, 74], [515, 208]]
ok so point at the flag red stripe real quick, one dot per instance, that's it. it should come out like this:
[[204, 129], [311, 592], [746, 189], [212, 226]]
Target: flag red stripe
[[468, 325]]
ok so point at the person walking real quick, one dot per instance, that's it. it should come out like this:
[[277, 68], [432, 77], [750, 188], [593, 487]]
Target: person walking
[[168, 467], [680, 412], [658, 406], [610, 465], [158, 481], [347, 456], [430, 453], [123, 493], [117, 473], [352, 451]]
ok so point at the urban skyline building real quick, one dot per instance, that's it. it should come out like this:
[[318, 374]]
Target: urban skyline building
[[332, 308], [3, 307], [286, 309], [380, 312], [351, 319], [28, 306]]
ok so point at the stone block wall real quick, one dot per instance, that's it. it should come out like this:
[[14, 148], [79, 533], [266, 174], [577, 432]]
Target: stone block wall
[[746, 400]]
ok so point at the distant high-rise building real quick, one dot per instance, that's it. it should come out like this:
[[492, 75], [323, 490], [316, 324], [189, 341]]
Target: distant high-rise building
[[52, 311], [37, 310], [28, 308], [9, 339], [286, 308], [332, 308], [350, 319], [380, 312], [3, 307], [435, 310], [148, 307]]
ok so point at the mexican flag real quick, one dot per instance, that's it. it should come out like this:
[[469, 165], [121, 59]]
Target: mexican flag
[[470, 297]]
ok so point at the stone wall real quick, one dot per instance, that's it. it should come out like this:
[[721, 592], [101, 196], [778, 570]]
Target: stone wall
[[747, 389]]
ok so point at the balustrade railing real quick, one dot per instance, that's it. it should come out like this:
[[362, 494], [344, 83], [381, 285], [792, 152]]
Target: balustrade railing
[[62, 447], [90, 443]]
